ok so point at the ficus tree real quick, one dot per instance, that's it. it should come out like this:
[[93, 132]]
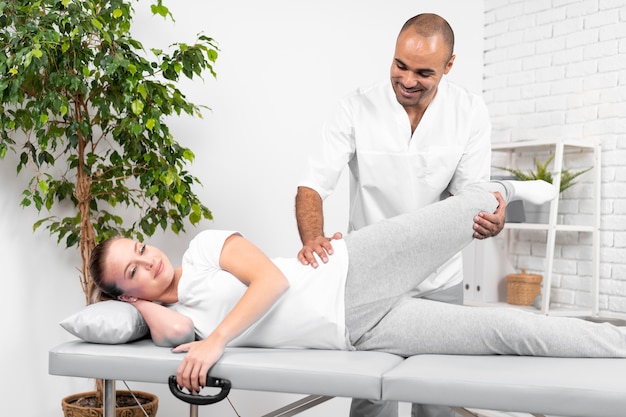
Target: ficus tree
[[85, 108]]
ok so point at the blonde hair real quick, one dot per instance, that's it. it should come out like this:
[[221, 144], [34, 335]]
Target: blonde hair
[[97, 265]]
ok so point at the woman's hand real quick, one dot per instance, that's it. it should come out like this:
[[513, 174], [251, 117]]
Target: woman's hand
[[201, 356]]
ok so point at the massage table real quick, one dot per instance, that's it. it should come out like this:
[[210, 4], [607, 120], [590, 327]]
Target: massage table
[[568, 387]]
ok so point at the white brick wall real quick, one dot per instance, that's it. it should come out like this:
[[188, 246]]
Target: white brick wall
[[558, 68]]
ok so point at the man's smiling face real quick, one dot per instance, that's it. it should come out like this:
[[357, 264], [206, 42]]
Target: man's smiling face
[[419, 64]]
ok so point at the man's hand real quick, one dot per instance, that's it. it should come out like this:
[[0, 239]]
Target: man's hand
[[489, 225], [319, 246], [310, 218]]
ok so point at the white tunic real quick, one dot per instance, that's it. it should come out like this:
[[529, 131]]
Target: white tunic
[[310, 314], [394, 172]]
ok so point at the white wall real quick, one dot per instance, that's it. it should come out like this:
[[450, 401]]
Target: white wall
[[558, 69], [282, 65]]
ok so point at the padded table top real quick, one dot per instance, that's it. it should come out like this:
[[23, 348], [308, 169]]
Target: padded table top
[[556, 386], [320, 372], [573, 387]]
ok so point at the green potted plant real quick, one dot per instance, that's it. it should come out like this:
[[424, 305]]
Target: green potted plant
[[542, 172], [84, 107]]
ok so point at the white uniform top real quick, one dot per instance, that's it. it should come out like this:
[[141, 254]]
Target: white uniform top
[[310, 314], [394, 172]]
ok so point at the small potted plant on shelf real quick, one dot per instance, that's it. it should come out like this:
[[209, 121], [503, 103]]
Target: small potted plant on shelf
[[541, 172], [84, 108]]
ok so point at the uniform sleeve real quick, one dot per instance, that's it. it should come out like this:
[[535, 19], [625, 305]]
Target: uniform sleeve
[[337, 148], [475, 164]]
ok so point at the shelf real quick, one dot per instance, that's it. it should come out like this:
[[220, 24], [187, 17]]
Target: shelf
[[563, 312], [546, 226], [512, 151], [542, 144]]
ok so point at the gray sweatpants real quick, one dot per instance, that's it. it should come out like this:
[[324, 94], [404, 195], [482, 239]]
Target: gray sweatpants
[[389, 259]]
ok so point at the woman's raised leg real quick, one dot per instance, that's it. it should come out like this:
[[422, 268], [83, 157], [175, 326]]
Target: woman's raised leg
[[390, 258]]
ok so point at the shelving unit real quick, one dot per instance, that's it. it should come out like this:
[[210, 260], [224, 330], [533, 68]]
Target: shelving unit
[[560, 148]]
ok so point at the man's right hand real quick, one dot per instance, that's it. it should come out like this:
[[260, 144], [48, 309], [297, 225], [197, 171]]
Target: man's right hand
[[318, 248]]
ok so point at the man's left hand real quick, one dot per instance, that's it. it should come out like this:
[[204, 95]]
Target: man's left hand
[[487, 224]]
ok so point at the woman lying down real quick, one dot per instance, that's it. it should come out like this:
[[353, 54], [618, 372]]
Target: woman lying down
[[229, 293]]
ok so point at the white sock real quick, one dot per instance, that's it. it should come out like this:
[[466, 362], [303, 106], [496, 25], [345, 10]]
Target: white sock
[[534, 191]]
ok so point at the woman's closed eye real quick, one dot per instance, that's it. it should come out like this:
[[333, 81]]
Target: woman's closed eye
[[141, 251]]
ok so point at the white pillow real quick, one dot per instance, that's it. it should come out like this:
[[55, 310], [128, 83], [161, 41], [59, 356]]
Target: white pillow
[[108, 322]]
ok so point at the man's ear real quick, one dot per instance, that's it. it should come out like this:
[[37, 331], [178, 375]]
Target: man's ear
[[127, 298], [449, 64]]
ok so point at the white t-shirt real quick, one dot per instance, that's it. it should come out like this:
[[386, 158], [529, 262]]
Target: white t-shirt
[[310, 314], [393, 172]]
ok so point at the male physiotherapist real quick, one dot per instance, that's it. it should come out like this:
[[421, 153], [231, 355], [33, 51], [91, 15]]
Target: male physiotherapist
[[408, 143]]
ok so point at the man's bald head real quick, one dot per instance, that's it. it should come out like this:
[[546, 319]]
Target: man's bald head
[[429, 25]]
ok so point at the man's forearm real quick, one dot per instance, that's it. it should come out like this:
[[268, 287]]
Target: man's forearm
[[309, 214]]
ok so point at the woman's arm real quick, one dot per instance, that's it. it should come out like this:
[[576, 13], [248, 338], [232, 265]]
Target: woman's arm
[[168, 328], [266, 283]]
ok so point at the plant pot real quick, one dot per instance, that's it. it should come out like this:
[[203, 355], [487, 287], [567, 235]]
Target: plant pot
[[537, 213], [515, 212], [83, 404]]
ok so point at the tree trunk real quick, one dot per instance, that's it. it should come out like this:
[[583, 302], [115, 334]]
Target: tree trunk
[[87, 235], [87, 242]]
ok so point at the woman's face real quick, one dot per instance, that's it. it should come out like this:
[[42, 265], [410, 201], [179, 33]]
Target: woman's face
[[138, 270]]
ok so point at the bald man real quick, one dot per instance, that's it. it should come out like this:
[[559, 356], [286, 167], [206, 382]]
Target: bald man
[[408, 143]]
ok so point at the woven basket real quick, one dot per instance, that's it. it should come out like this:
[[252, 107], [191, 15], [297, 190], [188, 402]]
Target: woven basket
[[521, 289], [72, 408]]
